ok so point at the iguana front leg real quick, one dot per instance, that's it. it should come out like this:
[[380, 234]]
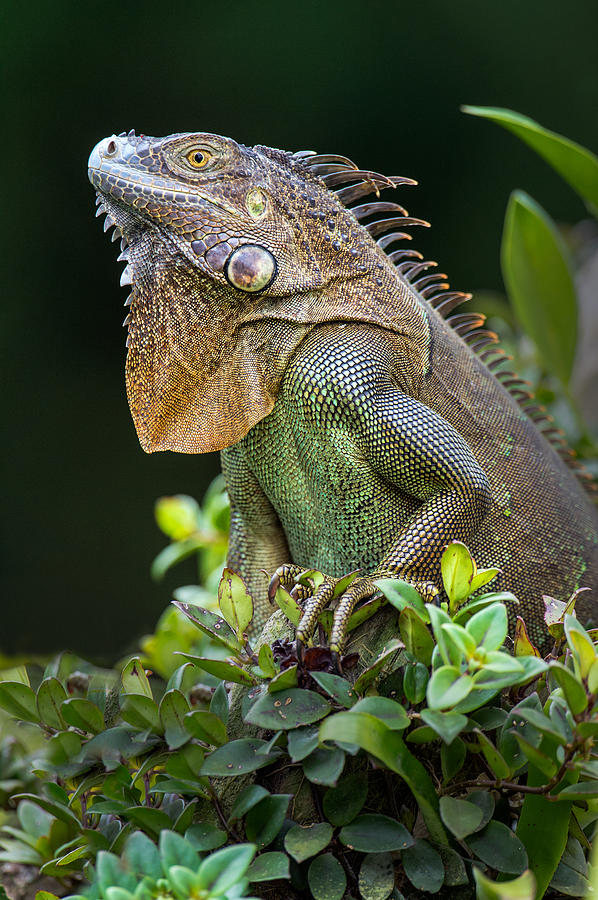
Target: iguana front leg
[[257, 542], [417, 451]]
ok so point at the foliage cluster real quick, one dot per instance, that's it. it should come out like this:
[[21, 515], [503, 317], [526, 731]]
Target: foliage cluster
[[430, 770]]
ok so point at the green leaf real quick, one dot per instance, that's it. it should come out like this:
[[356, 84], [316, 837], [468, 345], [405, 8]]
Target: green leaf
[[375, 834], [18, 700], [572, 689], [339, 689], [205, 726], [220, 668], [447, 724], [287, 709], [365, 612], [265, 819], [458, 569], [388, 711], [376, 876], [219, 703], [178, 517], [83, 714], [499, 848], [204, 836], [288, 605], [326, 878], [173, 709], [522, 888], [268, 667], [538, 275], [284, 680], [460, 816], [141, 712], [134, 680], [148, 818], [415, 635], [584, 790], [269, 866], [401, 595], [478, 603], [302, 741], [447, 687], [489, 627], [303, 841], [248, 798], [324, 765], [452, 757], [369, 675], [49, 698], [584, 652], [111, 872], [223, 869], [577, 165], [141, 855], [376, 738], [211, 625], [173, 554], [176, 851], [423, 867], [415, 682], [238, 758], [342, 803], [494, 758], [235, 602]]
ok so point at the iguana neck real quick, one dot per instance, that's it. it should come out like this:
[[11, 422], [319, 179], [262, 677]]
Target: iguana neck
[[200, 374]]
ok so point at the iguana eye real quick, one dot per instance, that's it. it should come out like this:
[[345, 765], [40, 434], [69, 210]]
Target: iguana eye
[[198, 158]]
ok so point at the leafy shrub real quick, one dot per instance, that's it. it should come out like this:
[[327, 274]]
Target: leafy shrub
[[429, 770]]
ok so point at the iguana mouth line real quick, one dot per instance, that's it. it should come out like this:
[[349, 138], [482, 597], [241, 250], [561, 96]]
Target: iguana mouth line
[[152, 190]]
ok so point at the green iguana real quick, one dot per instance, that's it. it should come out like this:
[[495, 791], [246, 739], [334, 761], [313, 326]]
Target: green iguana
[[362, 424]]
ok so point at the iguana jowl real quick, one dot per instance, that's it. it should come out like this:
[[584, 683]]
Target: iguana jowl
[[360, 427]]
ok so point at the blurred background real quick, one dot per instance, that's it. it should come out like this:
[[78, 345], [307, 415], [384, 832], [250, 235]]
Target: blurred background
[[380, 81]]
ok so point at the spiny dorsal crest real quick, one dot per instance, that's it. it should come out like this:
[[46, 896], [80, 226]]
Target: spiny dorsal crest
[[382, 219]]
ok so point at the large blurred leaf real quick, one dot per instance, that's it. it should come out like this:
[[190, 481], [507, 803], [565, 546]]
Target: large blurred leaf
[[537, 273], [577, 165]]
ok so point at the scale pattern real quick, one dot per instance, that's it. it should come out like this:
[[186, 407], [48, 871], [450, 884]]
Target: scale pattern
[[359, 428]]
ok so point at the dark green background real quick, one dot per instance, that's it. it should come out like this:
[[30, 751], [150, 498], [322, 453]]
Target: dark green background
[[379, 81]]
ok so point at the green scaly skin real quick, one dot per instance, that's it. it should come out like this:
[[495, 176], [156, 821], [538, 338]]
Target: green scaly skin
[[359, 429]]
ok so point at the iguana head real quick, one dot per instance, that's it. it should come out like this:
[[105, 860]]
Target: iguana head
[[234, 254]]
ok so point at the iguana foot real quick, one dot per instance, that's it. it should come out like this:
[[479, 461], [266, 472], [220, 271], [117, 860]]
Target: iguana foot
[[315, 599]]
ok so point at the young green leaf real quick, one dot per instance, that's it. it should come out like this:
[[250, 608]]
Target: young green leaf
[[235, 602], [386, 710], [415, 635], [369, 675], [538, 274], [457, 569], [221, 668], [447, 687], [577, 165], [266, 664], [522, 888], [134, 680]]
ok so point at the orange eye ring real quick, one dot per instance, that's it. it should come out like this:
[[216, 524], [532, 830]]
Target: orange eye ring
[[198, 157]]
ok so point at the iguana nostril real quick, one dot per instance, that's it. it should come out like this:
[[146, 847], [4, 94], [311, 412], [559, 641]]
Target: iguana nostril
[[111, 148]]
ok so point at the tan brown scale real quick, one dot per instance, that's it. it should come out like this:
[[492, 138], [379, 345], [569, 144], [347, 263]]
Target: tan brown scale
[[364, 421]]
